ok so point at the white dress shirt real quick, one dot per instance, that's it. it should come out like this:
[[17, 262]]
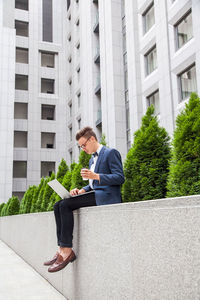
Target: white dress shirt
[[94, 164]]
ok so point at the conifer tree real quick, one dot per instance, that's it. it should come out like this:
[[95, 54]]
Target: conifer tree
[[76, 180], [184, 176], [47, 194], [40, 195], [103, 140], [1, 207], [13, 206], [62, 170], [4, 210], [35, 195], [147, 163], [25, 206]]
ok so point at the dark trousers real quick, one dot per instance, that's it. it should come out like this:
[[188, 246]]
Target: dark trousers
[[63, 211]]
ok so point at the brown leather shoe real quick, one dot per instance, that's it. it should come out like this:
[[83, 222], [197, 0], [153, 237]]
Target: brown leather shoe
[[52, 261], [61, 263]]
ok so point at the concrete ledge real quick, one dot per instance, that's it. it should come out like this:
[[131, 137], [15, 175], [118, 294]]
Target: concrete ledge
[[143, 250]]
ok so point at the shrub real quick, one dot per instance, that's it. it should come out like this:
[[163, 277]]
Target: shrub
[[4, 210], [35, 195], [13, 206], [47, 194], [184, 176], [40, 195], [26, 202], [1, 207], [62, 170], [76, 180], [147, 163]]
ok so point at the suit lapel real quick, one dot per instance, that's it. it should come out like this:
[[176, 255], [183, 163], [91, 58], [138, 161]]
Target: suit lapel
[[99, 159]]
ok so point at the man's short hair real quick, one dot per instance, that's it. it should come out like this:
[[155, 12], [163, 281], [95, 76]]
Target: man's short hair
[[86, 132]]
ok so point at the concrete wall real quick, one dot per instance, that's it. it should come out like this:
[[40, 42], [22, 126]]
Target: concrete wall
[[144, 250]]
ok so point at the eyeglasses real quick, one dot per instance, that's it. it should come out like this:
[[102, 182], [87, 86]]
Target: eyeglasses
[[84, 145]]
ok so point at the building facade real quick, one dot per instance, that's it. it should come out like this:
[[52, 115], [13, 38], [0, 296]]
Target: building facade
[[66, 64]]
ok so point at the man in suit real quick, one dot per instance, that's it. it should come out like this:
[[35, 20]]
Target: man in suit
[[105, 175]]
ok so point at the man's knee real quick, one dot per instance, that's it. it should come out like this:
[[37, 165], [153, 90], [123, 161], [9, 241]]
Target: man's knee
[[56, 205], [64, 204]]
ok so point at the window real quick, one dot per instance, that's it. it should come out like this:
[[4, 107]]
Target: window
[[184, 30], [79, 123], [148, 18], [78, 73], [77, 22], [19, 169], [79, 99], [22, 55], [47, 167], [188, 82], [151, 60], [154, 100], [48, 112], [70, 84], [47, 21], [21, 28], [68, 4], [21, 82], [20, 139], [71, 156], [21, 111], [21, 4], [70, 133], [47, 140], [70, 110], [20, 195], [47, 86], [47, 59]]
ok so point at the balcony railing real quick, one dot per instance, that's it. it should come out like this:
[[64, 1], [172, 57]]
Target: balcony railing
[[96, 24], [99, 118], [97, 56], [98, 87]]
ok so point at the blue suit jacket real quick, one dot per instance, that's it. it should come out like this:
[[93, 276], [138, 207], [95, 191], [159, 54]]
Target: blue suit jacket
[[109, 167]]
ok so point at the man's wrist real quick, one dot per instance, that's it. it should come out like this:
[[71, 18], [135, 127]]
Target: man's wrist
[[97, 177]]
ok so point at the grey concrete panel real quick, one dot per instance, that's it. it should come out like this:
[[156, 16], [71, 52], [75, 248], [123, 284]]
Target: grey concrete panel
[[142, 250]]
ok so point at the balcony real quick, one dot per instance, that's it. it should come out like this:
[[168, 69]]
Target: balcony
[[47, 86], [96, 25], [20, 139], [21, 111], [97, 89], [99, 119], [97, 56], [21, 28], [47, 167], [19, 169], [22, 55], [48, 140], [21, 4], [48, 112], [21, 82]]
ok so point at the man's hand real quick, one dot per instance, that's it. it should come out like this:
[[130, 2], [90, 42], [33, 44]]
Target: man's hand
[[76, 191], [86, 173]]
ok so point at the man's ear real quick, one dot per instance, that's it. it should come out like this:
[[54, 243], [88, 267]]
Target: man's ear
[[93, 138]]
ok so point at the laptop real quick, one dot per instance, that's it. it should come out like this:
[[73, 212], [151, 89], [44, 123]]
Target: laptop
[[61, 190]]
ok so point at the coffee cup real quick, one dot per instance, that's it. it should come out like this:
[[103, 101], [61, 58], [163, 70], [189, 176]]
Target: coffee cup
[[82, 175]]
